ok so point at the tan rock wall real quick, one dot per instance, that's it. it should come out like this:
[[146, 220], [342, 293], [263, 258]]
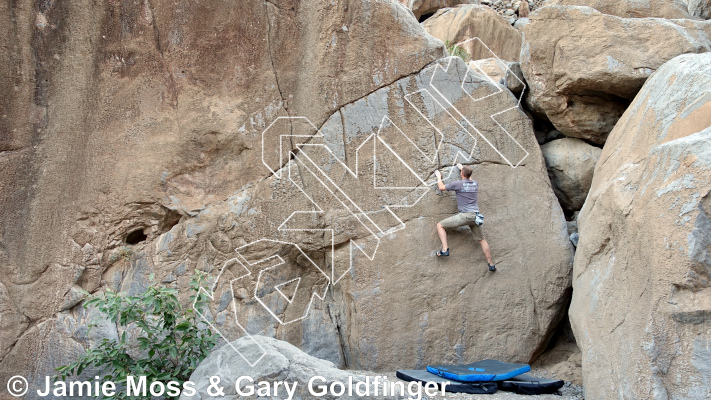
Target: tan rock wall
[[118, 117], [641, 278], [149, 118]]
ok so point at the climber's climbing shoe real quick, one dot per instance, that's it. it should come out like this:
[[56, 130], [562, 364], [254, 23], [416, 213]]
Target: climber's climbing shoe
[[492, 267], [442, 253]]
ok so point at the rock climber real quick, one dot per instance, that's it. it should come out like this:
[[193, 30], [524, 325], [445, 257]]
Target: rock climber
[[467, 201]]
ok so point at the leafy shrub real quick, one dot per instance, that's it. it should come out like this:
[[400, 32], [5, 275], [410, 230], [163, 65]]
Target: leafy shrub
[[458, 51], [171, 341]]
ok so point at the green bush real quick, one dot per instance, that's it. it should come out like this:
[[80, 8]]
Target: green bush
[[171, 341], [458, 51]]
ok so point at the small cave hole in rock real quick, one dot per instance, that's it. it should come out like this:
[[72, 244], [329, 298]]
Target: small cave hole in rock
[[423, 17], [136, 237], [170, 219]]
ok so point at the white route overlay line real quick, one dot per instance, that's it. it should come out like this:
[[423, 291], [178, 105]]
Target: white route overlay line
[[281, 262], [211, 295], [375, 137], [330, 281], [278, 289], [500, 90], [466, 157], [242, 261]]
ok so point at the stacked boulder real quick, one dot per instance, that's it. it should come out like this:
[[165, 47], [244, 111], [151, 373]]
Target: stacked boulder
[[465, 22], [513, 10], [570, 163], [584, 67]]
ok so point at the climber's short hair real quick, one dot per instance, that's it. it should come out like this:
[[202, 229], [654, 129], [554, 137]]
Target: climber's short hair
[[467, 171]]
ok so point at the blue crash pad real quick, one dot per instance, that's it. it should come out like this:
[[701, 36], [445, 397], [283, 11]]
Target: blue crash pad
[[480, 371], [452, 386]]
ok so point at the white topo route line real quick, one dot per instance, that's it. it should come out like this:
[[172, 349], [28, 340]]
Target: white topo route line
[[308, 165]]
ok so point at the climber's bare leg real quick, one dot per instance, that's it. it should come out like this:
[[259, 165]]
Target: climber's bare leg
[[485, 248], [442, 236]]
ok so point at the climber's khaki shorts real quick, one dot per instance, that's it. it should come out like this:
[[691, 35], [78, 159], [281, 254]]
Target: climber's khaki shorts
[[462, 219]]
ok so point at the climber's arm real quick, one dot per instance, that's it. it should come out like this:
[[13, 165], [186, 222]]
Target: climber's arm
[[440, 184]]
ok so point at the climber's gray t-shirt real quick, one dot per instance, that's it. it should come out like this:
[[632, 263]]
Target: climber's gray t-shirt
[[467, 194]]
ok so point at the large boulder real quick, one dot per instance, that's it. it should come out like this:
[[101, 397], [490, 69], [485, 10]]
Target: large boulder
[[571, 163], [392, 302], [466, 22], [418, 309], [123, 119], [641, 289], [426, 8], [280, 362], [670, 9], [584, 67]]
